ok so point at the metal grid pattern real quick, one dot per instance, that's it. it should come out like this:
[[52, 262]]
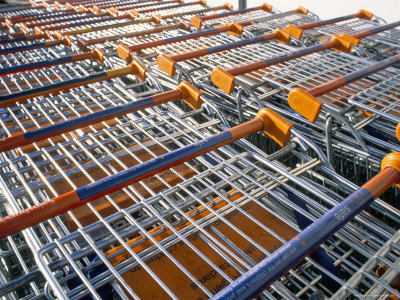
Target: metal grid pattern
[[33, 55], [37, 113], [196, 238], [167, 11], [24, 81], [381, 285], [377, 46], [86, 155]]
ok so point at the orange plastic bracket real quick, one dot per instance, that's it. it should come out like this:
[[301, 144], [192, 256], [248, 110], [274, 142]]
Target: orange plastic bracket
[[124, 52], [133, 13], [282, 36], [302, 10], [58, 35], [98, 55], [37, 30], [139, 70], [398, 132], [294, 31], [25, 30], [276, 127], [345, 42], [57, 5], [190, 95], [156, 19], [112, 11], [266, 7], [391, 160], [228, 6], [236, 29], [364, 14], [67, 41], [96, 9], [305, 104], [82, 9], [196, 22], [166, 64], [223, 80], [202, 2]]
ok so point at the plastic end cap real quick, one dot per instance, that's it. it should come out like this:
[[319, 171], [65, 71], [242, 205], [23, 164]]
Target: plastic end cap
[[47, 34], [398, 132], [96, 9], [25, 30], [202, 2], [228, 6], [392, 160], [98, 55], [133, 13], [275, 126], [139, 70], [305, 104], [58, 35], [196, 22], [351, 39], [364, 14], [124, 52], [112, 11], [223, 80], [67, 41], [282, 36], [302, 10], [236, 29], [294, 31], [156, 19], [266, 7], [190, 95], [166, 64], [341, 44]]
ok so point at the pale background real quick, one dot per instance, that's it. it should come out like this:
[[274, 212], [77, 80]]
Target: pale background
[[386, 9]]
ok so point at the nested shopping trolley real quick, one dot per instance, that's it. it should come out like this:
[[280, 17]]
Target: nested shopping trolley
[[198, 237]]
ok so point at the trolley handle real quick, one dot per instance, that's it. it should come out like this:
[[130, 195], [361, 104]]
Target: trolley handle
[[197, 21], [294, 251], [306, 103], [180, 25], [185, 92], [225, 79], [266, 120], [135, 68], [201, 2], [96, 54], [135, 6], [124, 52]]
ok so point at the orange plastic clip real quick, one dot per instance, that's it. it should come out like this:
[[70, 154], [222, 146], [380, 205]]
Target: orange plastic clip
[[276, 127], [156, 19], [283, 37], [266, 7], [139, 70], [345, 42], [196, 22], [190, 95], [305, 104], [302, 10], [166, 64], [294, 31], [98, 55], [223, 80], [58, 35], [364, 14], [236, 29], [124, 52], [398, 132], [392, 160]]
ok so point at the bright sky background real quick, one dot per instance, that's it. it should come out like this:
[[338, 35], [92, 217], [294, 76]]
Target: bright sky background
[[386, 9]]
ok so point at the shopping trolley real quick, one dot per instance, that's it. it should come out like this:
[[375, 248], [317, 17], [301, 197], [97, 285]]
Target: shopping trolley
[[377, 47], [124, 141], [224, 220], [99, 34], [168, 63]]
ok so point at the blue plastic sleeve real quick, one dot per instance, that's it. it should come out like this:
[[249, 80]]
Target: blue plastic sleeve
[[152, 165]]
